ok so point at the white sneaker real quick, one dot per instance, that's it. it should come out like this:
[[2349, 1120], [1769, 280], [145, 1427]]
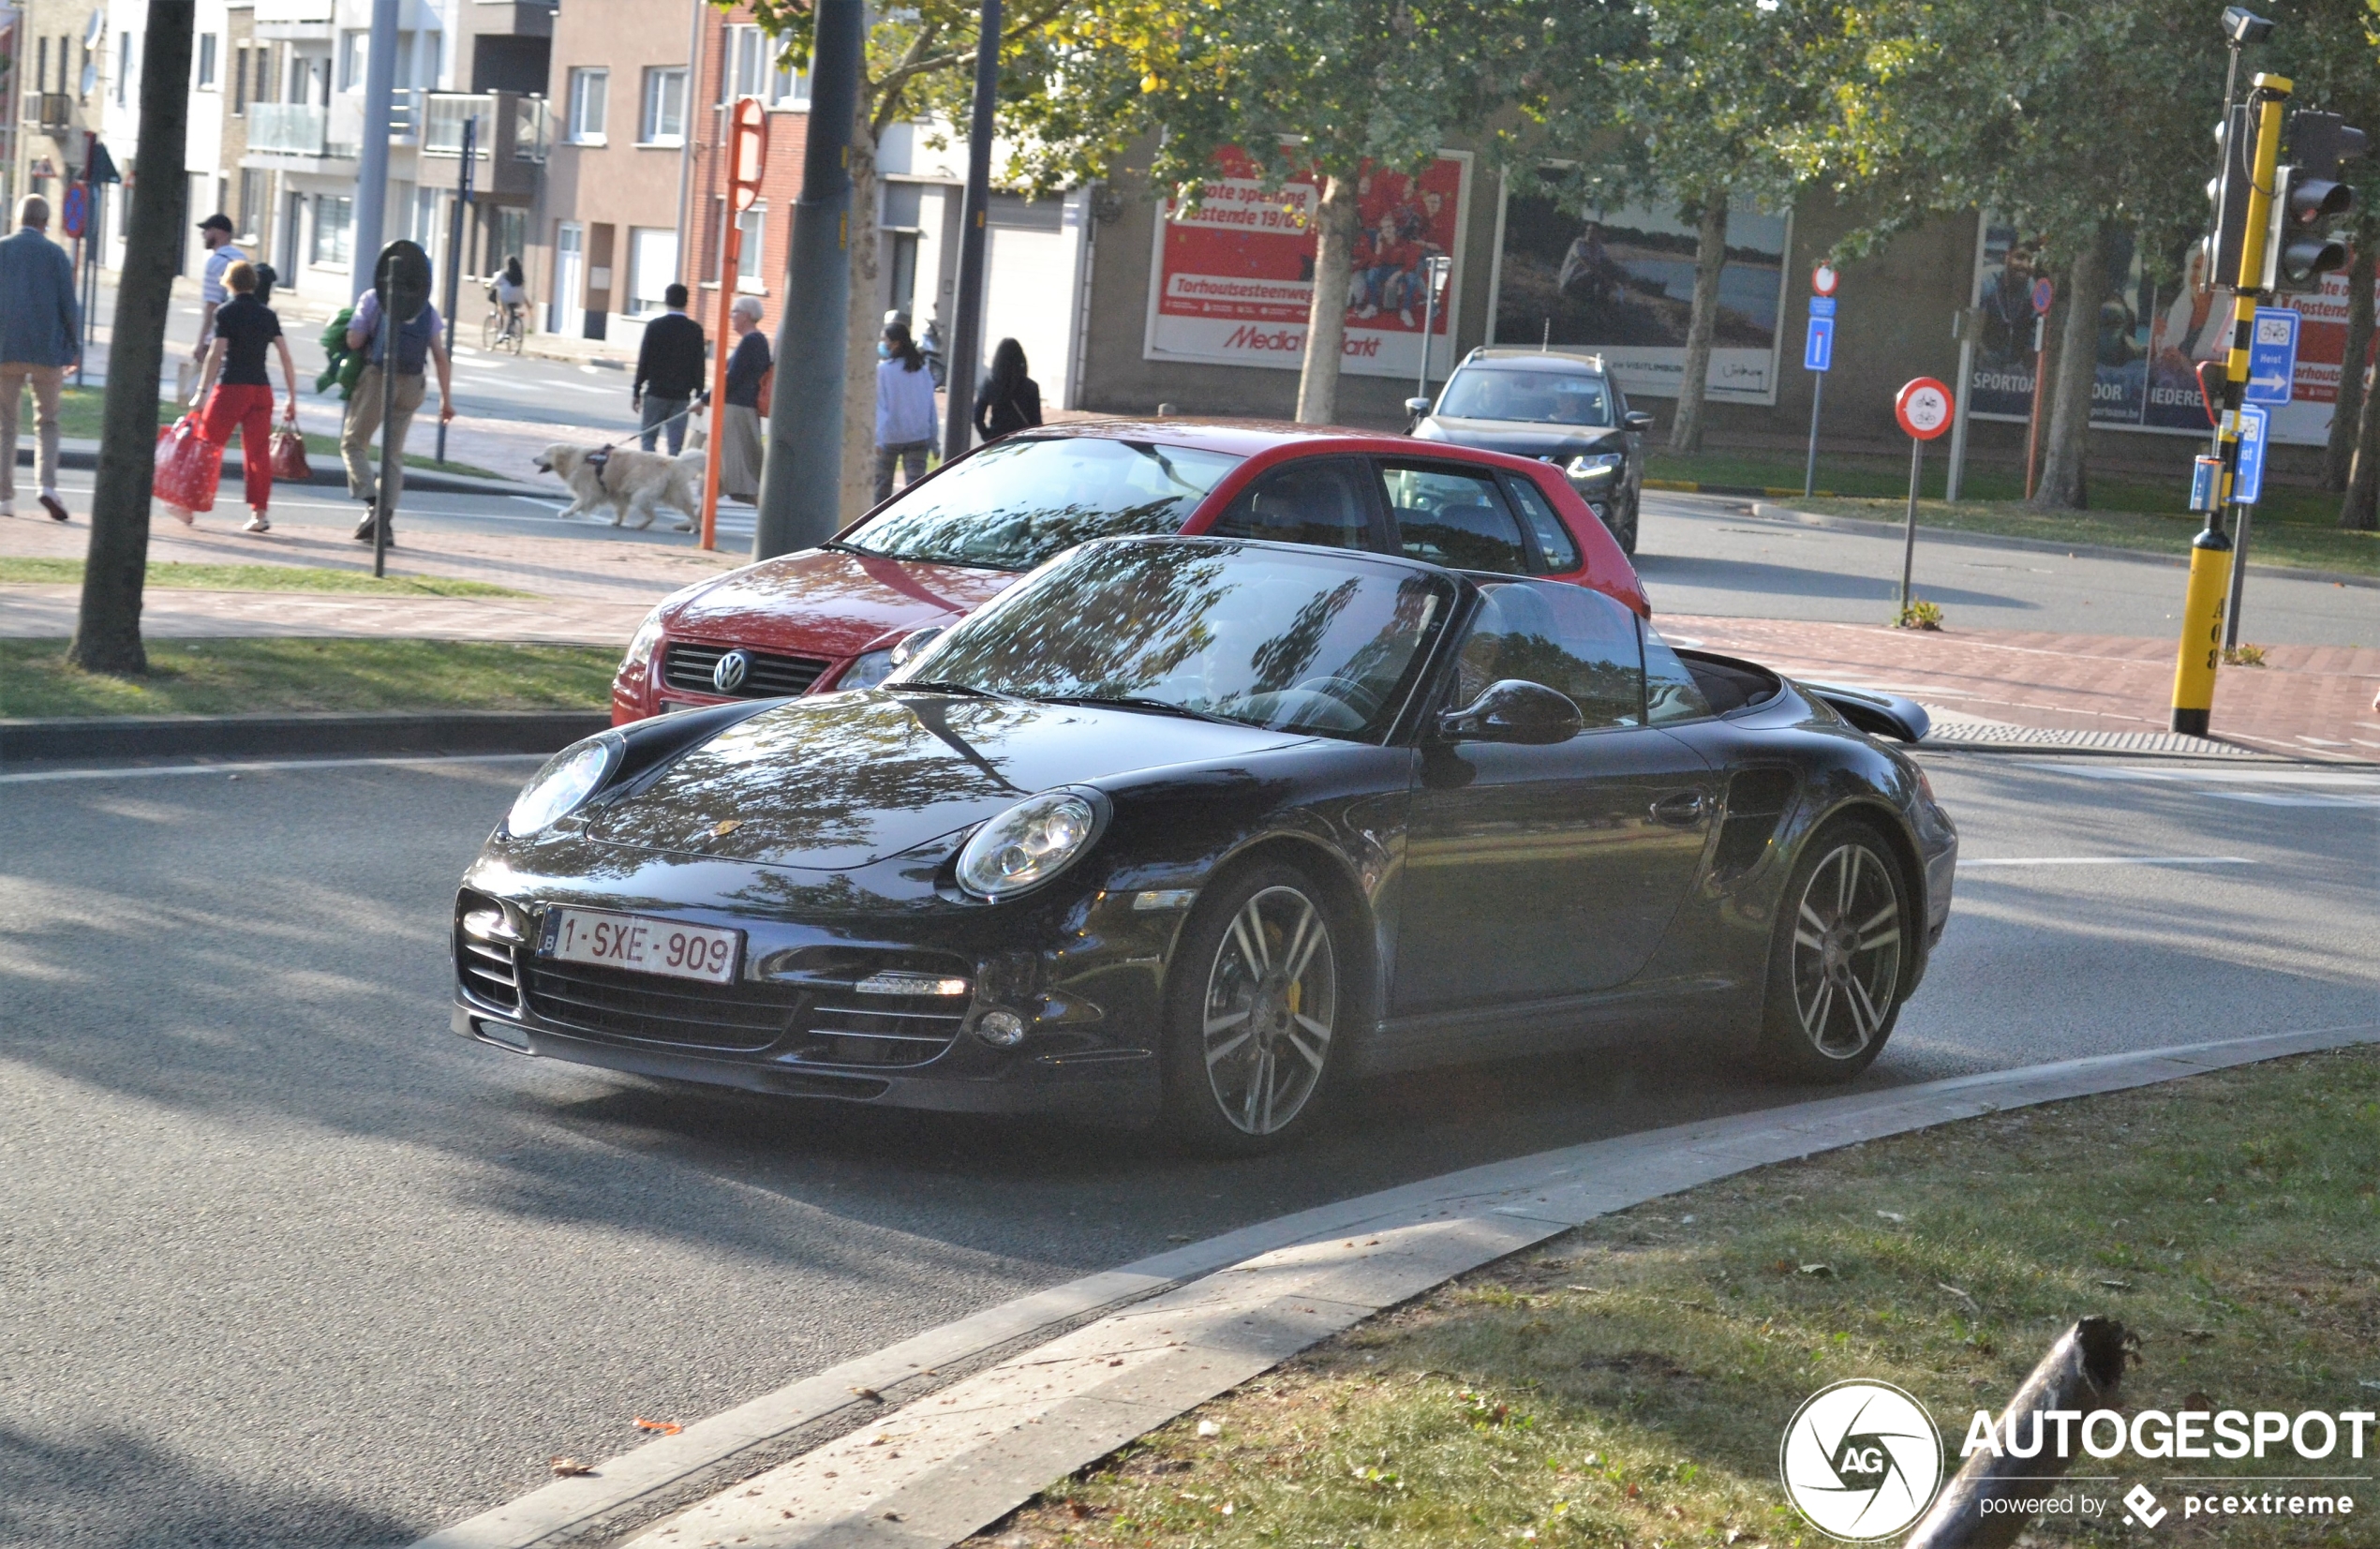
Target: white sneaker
[[257, 523]]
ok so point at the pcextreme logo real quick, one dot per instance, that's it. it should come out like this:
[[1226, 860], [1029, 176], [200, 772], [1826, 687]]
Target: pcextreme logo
[[1861, 1460]]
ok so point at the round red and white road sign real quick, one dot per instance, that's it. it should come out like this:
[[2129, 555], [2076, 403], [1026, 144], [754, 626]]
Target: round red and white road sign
[[1923, 408], [1821, 279]]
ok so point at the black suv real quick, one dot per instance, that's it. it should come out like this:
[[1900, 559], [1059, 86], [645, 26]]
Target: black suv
[[1558, 408]]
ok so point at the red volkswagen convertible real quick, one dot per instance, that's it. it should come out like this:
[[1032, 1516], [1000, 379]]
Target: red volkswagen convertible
[[829, 618]]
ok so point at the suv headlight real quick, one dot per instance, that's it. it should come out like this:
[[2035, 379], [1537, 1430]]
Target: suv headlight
[[569, 777], [1597, 465], [1028, 845]]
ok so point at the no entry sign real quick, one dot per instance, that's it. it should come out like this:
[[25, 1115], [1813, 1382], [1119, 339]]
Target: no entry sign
[[1821, 279], [1923, 408]]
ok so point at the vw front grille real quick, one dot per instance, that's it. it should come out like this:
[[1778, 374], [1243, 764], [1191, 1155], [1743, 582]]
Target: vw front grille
[[687, 666]]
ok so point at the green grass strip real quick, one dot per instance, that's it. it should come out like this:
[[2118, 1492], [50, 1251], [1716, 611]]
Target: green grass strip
[[241, 676], [36, 571]]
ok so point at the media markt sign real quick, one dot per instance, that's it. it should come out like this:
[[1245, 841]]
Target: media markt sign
[[1861, 1460]]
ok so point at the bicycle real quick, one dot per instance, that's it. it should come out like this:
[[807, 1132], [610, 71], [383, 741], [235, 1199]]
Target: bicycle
[[504, 328]]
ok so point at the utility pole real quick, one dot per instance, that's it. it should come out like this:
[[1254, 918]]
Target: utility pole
[[966, 335], [372, 160], [454, 247], [801, 477]]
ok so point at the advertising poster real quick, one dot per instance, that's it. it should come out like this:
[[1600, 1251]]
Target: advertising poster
[[1621, 283], [2152, 336], [1234, 275]]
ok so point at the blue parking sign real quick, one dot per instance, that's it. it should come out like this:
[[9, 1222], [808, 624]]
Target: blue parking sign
[[2273, 355], [1818, 350], [2250, 482]]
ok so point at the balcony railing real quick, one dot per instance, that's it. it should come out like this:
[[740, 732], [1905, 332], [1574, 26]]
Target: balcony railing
[[289, 128], [444, 117]]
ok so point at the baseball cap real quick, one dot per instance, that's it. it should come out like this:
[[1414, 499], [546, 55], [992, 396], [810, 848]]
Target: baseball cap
[[216, 223]]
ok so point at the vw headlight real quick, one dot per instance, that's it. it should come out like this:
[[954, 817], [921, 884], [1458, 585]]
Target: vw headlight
[[1027, 844], [569, 777], [641, 645], [866, 670], [1597, 465]]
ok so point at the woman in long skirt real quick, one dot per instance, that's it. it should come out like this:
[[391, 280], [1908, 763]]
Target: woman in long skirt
[[739, 448]]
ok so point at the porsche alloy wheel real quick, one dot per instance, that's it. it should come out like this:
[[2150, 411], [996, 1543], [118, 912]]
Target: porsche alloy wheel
[[1251, 1052], [1835, 980]]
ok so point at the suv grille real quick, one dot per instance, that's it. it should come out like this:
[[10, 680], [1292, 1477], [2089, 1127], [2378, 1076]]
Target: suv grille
[[687, 667], [618, 1003]]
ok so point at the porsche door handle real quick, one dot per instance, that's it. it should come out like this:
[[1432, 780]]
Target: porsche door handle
[[1681, 810]]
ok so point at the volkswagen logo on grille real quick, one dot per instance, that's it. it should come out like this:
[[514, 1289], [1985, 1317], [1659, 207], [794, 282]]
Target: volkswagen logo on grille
[[732, 670]]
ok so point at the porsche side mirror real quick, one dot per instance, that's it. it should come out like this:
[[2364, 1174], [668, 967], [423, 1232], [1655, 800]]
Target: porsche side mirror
[[1514, 710], [906, 649], [1636, 418]]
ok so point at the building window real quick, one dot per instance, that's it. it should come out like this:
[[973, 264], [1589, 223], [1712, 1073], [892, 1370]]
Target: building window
[[41, 64], [264, 73], [334, 244], [753, 223], [789, 89], [256, 192], [354, 47], [239, 82], [591, 91], [665, 117], [743, 64], [123, 69], [206, 61]]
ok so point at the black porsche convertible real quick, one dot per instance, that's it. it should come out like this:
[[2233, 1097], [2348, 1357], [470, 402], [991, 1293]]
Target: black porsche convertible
[[1203, 829]]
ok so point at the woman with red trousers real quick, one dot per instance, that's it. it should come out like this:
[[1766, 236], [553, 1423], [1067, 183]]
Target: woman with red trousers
[[242, 397]]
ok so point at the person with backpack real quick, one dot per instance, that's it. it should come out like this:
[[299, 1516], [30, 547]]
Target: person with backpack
[[237, 392], [904, 408], [1009, 401], [418, 343]]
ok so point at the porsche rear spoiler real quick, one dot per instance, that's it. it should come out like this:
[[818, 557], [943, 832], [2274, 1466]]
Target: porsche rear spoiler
[[1874, 711]]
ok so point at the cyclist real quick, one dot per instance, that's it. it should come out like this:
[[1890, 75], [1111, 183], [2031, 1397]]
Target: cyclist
[[511, 292]]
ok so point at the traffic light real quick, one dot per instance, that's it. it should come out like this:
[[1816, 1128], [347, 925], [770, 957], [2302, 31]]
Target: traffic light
[[2308, 197]]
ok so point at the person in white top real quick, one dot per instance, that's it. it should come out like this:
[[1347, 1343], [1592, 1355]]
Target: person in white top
[[216, 231], [904, 408]]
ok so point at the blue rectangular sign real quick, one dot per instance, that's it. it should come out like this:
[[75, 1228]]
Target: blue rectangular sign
[[2273, 355], [1821, 307], [2250, 482], [1818, 350]]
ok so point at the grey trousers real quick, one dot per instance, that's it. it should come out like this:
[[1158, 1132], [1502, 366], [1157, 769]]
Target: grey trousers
[[911, 455], [45, 380], [658, 409]]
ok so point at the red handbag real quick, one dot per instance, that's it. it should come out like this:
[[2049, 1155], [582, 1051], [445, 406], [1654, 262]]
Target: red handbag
[[187, 465], [288, 456]]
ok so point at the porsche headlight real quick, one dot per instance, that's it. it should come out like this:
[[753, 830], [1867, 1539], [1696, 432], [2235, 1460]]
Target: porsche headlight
[[866, 670], [1027, 844], [569, 777], [1597, 465]]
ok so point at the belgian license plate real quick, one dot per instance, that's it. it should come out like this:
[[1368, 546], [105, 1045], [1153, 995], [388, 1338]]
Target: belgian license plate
[[643, 944]]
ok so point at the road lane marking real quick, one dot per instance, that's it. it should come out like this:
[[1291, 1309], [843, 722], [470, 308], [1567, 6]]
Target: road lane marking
[[36, 777], [2233, 776], [1964, 863]]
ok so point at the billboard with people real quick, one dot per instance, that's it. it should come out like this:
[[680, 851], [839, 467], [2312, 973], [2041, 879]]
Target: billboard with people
[[1235, 272], [1620, 282], [2152, 333]]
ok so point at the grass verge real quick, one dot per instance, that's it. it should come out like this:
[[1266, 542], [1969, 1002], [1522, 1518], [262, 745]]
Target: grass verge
[[233, 677], [1628, 1383], [36, 571], [82, 411], [2292, 526]]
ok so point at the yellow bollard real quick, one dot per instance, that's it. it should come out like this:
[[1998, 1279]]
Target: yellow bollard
[[2202, 611]]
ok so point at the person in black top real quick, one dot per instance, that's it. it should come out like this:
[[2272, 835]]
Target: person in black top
[[669, 371], [238, 394], [1008, 401], [739, 447]]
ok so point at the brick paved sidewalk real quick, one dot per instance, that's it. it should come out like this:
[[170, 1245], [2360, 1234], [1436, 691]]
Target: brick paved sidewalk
[[2309, 701]]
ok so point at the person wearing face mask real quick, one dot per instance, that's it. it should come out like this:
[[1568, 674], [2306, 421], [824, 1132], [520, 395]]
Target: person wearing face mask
[[904, 408]]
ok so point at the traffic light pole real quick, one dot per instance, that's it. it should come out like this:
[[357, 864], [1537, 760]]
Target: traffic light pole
[[2205, 601]]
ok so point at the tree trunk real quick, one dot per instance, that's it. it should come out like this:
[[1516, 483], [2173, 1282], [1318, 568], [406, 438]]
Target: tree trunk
[[866, 315], [107, 633], [2347, 413], [2360, 511], [1710, 258], [2066, 448], [1326, 326]]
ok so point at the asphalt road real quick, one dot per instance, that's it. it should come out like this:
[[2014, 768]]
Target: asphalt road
[[1707, 554], [283, 1262]]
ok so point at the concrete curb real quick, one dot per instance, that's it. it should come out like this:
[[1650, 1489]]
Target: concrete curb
[[84, 456], [1765, 512], [245, 736], [1195, 1322]]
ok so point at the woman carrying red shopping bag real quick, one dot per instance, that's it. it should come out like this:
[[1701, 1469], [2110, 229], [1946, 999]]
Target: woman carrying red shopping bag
[[242, 399]]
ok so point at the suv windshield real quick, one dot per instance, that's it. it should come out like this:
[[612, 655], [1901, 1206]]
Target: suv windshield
[[1540, 397], [1015, 503], [1310, 641]]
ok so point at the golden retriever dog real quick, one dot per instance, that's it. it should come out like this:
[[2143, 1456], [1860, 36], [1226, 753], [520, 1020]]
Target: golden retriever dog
[[633, 482]]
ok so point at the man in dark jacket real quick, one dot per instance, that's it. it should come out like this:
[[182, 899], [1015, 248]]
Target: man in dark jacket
[[41, 334], [669, 371]]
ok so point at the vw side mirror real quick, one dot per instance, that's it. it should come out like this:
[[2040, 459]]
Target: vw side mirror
[[1514, 710], [1636, 418]]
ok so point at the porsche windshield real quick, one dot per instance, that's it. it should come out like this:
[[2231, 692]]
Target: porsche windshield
[[1539, 398], [1016, 503], [1287, 639]]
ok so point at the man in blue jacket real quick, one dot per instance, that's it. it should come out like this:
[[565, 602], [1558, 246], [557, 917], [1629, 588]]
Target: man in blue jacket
[[40, 336]]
